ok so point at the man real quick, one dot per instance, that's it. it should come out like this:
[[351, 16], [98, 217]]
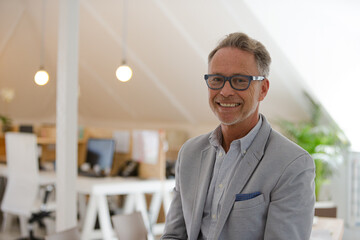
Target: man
[[243, 180]]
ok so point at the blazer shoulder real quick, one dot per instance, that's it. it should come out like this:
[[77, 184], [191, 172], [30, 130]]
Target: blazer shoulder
[[282, 156], [280, 144], [197, 143]]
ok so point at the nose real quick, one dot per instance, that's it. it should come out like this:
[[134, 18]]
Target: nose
[[227, 90]]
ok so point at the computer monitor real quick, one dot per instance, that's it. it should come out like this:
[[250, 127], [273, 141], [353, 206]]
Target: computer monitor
[[99, 156]]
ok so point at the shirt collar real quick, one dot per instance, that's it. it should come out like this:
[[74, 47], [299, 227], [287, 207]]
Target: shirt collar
[[244, 143], [216, 137]]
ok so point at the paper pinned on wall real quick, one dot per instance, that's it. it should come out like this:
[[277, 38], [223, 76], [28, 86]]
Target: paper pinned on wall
[[122, 141], [145, 146]]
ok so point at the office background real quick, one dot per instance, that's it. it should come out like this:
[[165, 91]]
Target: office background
[[313, 44]]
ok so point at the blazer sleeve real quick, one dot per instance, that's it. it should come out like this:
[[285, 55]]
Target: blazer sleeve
[[175, 227], [291, 209]]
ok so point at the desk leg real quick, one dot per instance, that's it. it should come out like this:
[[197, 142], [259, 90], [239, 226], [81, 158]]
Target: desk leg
[[90, 218], [82, 209], [104, 218], [165, 197], [155, 207], [129, 205], [141, 207]]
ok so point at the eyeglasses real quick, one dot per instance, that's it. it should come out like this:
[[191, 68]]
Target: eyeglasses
[[237, 82]]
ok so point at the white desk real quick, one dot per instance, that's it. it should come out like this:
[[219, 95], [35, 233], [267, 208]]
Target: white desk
[[135, 189], [327, 228], [99, 188]]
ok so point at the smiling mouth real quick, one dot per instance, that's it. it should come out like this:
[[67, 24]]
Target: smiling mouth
[[229, 105]]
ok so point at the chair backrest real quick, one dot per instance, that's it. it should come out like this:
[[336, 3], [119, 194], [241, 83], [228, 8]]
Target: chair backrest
[[129, 226], [22, 174], [70, 234]]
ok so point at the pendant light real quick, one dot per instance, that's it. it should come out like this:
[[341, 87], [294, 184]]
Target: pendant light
[[42, 77], [124, 72]]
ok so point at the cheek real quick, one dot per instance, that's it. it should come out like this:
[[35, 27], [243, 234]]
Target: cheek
[[212, 94], [255, 93], [251, 95]]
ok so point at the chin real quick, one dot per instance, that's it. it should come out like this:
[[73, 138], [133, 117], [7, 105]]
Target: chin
[[235, 119], [230, 122]]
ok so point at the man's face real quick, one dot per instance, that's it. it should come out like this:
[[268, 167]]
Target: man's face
[[229, 105]]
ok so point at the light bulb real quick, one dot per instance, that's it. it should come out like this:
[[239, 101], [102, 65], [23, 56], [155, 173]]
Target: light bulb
[[124, 73], [41, 77]]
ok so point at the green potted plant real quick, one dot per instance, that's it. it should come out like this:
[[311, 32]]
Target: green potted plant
[[322, 138], [6, 123]]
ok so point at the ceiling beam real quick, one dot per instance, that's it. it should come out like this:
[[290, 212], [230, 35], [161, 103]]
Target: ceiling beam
[[11, 30], [181, 29], [288, 73], [172, 99]]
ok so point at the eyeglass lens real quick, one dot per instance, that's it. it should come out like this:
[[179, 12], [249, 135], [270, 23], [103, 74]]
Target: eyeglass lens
[[237, 82]]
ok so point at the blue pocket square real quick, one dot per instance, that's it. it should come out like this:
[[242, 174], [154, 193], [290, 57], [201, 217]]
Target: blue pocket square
[[246, 196]]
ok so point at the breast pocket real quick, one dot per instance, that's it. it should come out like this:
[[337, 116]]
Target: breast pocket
[[249, 204], [247, 218]]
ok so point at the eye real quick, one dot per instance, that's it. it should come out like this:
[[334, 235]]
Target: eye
[[217, 79], [239, 80]]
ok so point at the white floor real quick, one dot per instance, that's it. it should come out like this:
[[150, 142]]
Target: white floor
[[14, 234]]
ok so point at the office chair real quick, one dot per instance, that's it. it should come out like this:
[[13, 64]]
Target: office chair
[[129, 226], [21, 195]]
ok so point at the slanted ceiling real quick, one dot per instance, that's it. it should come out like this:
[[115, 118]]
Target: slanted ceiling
[[167, 47]]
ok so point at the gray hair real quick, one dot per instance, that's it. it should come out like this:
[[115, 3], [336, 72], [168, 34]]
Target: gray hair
[[244, 42]]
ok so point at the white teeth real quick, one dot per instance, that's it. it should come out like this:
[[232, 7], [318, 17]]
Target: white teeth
[[229, 104]]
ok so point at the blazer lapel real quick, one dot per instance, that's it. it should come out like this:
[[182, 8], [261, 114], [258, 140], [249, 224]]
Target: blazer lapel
[[205, 173], [243, 173]]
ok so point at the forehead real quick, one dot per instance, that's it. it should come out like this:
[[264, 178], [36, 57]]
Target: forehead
[[231, 60]]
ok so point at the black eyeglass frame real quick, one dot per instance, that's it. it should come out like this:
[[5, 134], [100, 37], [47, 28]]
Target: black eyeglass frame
[[251, 78]]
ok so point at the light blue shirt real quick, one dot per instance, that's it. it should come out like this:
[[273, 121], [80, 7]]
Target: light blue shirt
[[225, 165]]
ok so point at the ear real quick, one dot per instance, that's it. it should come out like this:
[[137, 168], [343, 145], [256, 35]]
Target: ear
[[264, 88]]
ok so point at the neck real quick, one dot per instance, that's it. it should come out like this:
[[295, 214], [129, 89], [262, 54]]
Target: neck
[[237, 131]]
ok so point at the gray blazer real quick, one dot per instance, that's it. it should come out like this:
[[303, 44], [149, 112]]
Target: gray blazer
[[274, 166]]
